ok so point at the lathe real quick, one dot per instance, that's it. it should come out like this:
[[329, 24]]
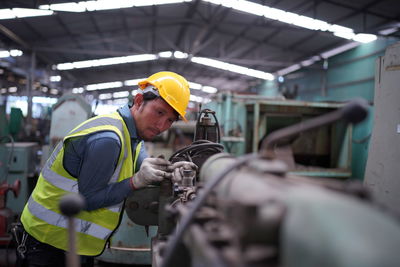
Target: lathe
[[249, 211]]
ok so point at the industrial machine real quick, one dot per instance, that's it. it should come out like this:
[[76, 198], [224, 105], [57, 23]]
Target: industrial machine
[[131, 243], [250, 211], [68, 112]]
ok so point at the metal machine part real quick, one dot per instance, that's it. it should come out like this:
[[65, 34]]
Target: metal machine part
[[206, 129], [262, 215], [6, 214], [382, 170]]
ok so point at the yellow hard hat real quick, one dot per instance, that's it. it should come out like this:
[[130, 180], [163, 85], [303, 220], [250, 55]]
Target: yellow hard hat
[[172, 87]]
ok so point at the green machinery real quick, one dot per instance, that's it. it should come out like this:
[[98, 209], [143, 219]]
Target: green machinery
[[246, 119]]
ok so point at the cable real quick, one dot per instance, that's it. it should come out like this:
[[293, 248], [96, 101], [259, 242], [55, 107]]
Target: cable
[[197, 203], [197, 149]]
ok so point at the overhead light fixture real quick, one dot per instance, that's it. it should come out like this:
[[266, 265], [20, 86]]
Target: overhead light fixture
[[11, 53], [12, 89], [13, 13], [120, 94], [289, 18], [165, 54], [56, 78], [209, 89], [105, 61], [195, 86], [179, 54], [364, 38], [53, 91], [233, 68], [98, 5], [133, 82], [101, 86], [78, 90], [105, 96]]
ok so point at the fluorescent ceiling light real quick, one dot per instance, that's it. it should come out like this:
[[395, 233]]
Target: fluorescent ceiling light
[[105, 61], [120, 102], [195, 86], [177, 54], [23, 13], [100, 86], [105, 96], [53, 91], [288, 17], [11, 53], [196, 98], [364, 38], [15, 53], [209, 89], [77, 90], [4, 54], [120, 94], [133, 82], [98, 5], [12, 89], [165, 54], [56, 78], [233, 68], [69, 7]]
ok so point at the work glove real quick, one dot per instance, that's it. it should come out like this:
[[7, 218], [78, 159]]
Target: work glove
[[152, 170], [178, 167]]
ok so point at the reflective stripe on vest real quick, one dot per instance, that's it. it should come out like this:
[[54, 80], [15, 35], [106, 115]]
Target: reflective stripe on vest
[[59, 220]]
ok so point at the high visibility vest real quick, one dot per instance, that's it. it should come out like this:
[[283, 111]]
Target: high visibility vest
[[41, 216]]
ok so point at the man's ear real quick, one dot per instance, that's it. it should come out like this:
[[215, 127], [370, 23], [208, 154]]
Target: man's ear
[[138, 101]]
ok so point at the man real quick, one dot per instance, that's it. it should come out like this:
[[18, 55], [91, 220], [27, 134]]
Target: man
[[104, 160]]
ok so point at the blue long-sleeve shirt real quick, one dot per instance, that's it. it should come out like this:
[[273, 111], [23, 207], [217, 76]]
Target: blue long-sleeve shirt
[[92, 159]]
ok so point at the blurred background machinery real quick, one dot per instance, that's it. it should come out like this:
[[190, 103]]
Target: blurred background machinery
[[383, 168]]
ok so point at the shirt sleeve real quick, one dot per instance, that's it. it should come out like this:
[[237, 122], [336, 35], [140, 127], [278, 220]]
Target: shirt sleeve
[[142, 155], [98, 159]]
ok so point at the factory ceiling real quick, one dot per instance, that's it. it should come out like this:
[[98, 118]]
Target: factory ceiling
[[230, 45]]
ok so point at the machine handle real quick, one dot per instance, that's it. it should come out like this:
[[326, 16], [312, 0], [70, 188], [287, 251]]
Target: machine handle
[[71, 205]]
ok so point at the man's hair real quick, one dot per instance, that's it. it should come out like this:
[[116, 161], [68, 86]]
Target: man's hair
[[150, 96]]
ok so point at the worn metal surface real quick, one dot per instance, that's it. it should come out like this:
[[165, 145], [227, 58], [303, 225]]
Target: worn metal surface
[[383, 168], [130, 244], [318, 226], [23, 167], [142, 207]]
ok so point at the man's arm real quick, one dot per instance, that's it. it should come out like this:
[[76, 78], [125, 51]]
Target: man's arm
[[93, 160]]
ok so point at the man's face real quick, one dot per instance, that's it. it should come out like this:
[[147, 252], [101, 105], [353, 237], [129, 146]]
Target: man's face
[[152, 118]]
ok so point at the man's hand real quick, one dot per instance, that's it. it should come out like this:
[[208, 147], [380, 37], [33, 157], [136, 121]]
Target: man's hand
[[178, 168], [152, 170]]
